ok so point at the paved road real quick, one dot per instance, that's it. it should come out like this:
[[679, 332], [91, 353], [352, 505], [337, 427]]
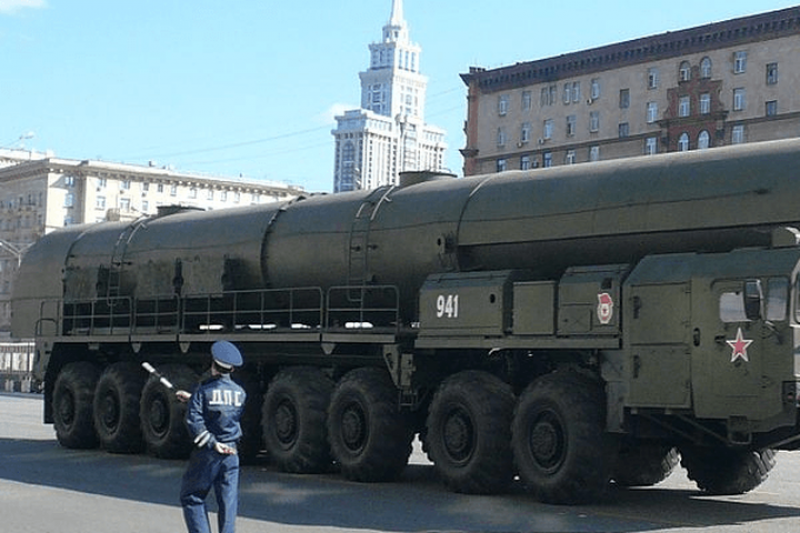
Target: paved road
[[45, 488]]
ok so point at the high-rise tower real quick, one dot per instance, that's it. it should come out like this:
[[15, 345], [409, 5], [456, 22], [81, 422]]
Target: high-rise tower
[[388, 134]]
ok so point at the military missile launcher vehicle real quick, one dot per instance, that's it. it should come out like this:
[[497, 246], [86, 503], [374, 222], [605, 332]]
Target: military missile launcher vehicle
[[576, 326]]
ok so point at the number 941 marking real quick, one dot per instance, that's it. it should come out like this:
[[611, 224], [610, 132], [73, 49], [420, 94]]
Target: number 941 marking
[[447, 306]]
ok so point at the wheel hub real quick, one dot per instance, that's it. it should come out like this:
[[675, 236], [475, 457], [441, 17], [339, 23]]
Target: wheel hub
[[286, 423], [66, 408], [159, 417], [547, 443], [354, 427], [458, 436], [109, 409]]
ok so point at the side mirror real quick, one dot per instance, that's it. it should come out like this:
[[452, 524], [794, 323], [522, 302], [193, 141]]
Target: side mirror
[[753, 299]]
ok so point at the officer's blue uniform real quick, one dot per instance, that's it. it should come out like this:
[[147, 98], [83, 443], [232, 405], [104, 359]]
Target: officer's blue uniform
[[213, 415]]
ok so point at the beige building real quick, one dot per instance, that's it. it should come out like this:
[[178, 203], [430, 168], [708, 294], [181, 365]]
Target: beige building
[[388, 134], [713, 85], [39, 194]]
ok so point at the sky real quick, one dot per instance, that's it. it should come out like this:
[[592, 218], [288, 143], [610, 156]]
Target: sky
[[250, 88]]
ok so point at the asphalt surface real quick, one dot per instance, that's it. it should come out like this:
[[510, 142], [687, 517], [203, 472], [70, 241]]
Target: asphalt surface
[[45, 488]]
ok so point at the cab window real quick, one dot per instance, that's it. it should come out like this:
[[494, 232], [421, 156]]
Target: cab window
[[777, 299], [731, 304], [731, 307]]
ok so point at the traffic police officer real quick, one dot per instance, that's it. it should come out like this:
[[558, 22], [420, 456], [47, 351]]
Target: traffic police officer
[[212, 418]]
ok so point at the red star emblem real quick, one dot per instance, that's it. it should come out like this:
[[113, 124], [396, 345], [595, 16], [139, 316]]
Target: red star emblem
[[739, 347]]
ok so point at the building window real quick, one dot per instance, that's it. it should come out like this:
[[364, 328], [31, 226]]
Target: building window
[[624, 130], [125, 185], [69, 181], [548, 128], [624, 98], [571, 123], [652, 112], [526, 100], [502, 104], [548, 96], [547, 159], [501, 137], [125, 204], [569, 158], [772, 73], [572, 92], [737, 134], [210, 194], [145, 186], [705, 68], [652, 78], [594, 153], [683, 142], [684, 106], [772, 108], [703, 140], [740, 62], [145, 206], [525, 133], [173, 190], [193, 193], [100, 202], [525, 162], [594, 121], [502, 165], [705, 103], [651, 146], [69, 200], [685, 71], [223, 196], [595, 89], [160, 187], [739, 99]]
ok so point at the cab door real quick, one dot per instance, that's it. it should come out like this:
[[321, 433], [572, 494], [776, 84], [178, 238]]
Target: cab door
[[728, 348]]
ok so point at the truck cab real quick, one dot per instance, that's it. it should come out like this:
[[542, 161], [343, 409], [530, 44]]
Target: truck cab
[[710, 345]]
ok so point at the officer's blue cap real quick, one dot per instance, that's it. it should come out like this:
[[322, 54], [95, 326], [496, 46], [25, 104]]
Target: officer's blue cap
[[226, 355]]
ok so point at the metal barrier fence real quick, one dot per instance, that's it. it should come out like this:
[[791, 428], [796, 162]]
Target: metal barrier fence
[[16, 366]]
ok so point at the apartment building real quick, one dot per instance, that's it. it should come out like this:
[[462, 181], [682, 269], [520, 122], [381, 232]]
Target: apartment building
[[718, 84], [388, 134], [40, 193]]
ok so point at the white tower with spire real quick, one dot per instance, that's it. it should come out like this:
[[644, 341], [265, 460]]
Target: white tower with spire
[[388, 134]]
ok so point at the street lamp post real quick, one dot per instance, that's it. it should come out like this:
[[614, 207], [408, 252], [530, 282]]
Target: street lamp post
[[16, 250]]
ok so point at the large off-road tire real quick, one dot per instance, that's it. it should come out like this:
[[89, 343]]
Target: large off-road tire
[[116, 408], [73, 395], [294, 420], [469, 433], [645, 464], [370, 438], [162, 415], [561, 450], [252, 441], [725, 471]]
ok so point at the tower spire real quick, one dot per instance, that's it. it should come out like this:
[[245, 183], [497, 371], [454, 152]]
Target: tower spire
[[397, 13]]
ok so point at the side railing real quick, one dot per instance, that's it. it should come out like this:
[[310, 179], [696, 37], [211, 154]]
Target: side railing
[[297, 309], [366, 307], [260, 310]]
